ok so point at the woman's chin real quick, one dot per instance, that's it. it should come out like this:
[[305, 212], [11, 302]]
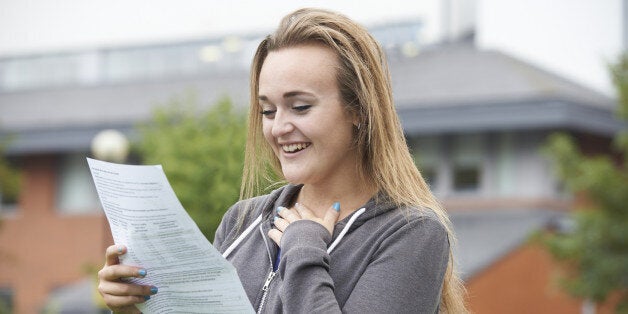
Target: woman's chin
[[293, 178]]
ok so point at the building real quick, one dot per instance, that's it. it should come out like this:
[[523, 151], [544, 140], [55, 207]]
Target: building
[[475, 119]]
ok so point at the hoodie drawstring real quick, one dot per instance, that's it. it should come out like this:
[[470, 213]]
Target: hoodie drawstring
[[257, 221]]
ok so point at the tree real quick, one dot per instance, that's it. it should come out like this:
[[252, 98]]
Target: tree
[[9, 180], [595, 253], [202, 153], [9, 190]]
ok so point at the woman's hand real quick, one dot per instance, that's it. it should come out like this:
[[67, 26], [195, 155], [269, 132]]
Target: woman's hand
[[287, 216], [121, 296]]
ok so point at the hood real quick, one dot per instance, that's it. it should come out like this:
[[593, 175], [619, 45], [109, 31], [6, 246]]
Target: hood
[[286, 196]]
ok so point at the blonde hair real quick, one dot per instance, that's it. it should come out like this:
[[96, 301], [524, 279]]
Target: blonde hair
[[364, 83]]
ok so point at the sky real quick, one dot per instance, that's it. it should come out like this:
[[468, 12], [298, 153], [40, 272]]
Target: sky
[[589, 30], [32, 26]]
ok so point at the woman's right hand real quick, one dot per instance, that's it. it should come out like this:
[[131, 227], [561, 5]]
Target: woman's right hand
[[121, 296]]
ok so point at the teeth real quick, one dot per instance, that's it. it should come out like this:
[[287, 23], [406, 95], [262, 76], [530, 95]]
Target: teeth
[[294, 147]]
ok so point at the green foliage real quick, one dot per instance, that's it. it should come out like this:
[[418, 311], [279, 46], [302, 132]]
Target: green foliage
[[9, 180], [202, 153], [595, 253]]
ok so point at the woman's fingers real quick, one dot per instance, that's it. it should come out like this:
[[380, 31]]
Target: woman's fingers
[[124, 304], [116, 272], [124, 289], [331, 217], [112, 253], [289, 214], [121, 296], [303, 211], [275, 235], [280, 224], [332, 213], [285, 216]]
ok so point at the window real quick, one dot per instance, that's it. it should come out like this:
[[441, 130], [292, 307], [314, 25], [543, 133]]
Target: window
[[466, 178], [426, 151], [467, 163], [76, 193]]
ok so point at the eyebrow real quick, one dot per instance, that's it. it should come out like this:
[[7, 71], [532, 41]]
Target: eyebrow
[[288, 95]]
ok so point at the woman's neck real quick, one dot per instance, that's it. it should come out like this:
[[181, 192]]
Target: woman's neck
[[350, 195]]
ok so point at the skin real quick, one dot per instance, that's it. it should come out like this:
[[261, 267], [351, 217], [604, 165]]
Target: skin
[[119, 296], [303, 107]]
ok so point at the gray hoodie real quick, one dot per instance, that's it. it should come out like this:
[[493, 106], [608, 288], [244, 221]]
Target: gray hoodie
[[387, 260]]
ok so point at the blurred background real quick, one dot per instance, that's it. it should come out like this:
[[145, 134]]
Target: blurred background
[[480, 86]]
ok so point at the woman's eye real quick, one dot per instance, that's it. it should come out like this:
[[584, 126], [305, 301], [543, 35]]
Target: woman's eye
[[268, 113], [302, 108]]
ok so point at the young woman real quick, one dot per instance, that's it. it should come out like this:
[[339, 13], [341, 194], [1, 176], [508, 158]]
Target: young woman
[[356, 228]]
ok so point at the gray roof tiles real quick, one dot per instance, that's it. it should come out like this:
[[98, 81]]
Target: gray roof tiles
[[486, 236], [462, 74]]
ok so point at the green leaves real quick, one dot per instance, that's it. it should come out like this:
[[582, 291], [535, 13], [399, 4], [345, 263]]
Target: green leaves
[[9, 179], [595, 254], [202, 153]]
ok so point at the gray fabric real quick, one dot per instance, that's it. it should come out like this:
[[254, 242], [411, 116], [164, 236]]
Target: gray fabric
[[392, 260]]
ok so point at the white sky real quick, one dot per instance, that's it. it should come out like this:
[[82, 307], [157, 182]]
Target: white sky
[[36, 26], [31, 26]]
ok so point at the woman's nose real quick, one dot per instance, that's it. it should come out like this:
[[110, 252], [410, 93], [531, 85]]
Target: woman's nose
[[282, 124]]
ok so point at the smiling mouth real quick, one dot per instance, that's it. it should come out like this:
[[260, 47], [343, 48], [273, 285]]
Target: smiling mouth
[[293, 148]]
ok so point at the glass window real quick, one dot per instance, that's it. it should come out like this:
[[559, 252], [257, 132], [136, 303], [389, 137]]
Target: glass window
[[467, 163], [466, 178], [425, 153], [76, 193]]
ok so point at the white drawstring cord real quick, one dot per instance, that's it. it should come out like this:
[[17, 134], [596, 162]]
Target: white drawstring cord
[[346, 228], [259, 219], [242, 236]]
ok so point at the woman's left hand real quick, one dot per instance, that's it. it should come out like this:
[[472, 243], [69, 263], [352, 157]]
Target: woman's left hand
[[286, 216]]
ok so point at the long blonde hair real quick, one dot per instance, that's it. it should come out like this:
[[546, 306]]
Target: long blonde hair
[[364, 82]]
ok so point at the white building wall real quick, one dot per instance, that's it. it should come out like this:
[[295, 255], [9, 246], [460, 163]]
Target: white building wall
[[512, 164], [532, 175], [573, 38]]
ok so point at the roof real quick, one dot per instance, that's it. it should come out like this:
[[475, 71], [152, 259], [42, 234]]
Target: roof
[[447, 88], [486, 236], [459, 88], [459, 73], [67, 119]]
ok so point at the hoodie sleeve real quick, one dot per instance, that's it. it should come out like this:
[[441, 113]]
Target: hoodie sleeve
[[226, 226], [404, 276]]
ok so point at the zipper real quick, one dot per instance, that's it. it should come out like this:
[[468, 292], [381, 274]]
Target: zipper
[[265, 288], [270, 276]]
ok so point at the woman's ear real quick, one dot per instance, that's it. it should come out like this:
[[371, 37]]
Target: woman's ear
[[356, 120]]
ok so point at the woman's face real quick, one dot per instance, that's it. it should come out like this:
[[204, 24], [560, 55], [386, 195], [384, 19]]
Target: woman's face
[[304, 119]]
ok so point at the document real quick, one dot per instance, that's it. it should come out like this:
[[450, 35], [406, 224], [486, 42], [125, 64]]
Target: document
[[145, 215]]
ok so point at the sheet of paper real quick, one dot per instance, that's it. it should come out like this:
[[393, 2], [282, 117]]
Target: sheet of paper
[[145, 215]]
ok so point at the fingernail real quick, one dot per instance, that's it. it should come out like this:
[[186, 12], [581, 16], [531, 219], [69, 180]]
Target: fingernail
[[146, 297], [119, 249], [337, 206], [153, 290], [280, 208], [142, 272], [275, 218]]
